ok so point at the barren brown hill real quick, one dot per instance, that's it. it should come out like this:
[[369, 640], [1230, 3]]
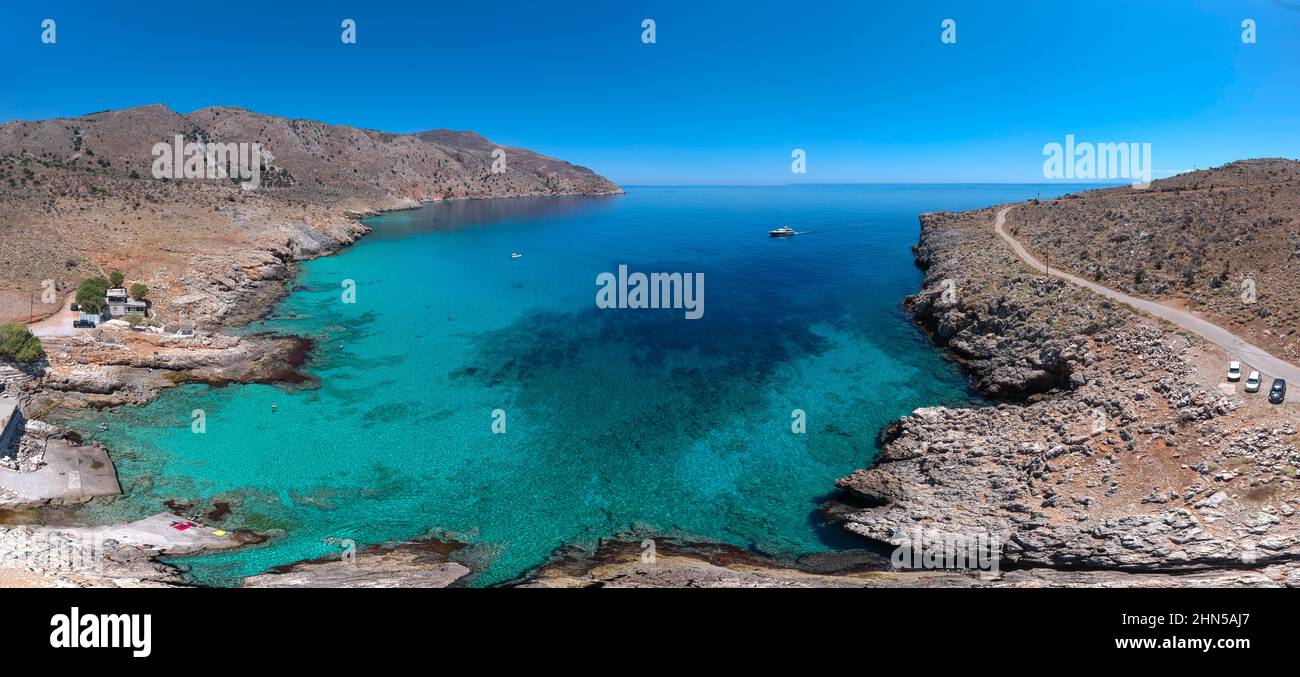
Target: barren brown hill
[[1224, 242], [80, 199]]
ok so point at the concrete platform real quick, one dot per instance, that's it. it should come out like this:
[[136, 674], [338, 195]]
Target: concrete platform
[[70, 474], [156, 531]]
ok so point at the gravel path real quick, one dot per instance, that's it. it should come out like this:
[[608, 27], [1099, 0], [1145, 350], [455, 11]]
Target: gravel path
[[1251, 355]]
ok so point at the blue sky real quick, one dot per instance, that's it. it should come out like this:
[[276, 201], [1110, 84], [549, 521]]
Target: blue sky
[[866, 88]]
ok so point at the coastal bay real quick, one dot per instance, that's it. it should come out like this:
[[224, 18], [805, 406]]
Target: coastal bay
[[612, 422]]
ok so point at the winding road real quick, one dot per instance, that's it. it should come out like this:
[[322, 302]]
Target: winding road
[[1252, 356]]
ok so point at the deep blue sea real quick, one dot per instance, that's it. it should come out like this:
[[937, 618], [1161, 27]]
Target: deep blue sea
[[613, 418]]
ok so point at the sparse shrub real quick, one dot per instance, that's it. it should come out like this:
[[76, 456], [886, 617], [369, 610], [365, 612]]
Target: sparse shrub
[[17, 344]]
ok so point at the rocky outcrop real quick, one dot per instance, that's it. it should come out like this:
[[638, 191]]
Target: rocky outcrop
[[38, 557], [105, 367], [1113, 450], [116, 556], [417, 564], [632, 560], [624, 564], [28, 449], [1017, 333], [234, 288]]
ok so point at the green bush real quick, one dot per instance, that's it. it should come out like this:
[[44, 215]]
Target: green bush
[[139, 291], [134, 319], [18, 345], [116, 278], [90, 294]]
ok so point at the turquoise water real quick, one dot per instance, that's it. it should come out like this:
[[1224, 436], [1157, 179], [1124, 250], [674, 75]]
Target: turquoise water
[[614, 418]]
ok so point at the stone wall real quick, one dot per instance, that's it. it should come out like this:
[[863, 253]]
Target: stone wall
[[11, 426]]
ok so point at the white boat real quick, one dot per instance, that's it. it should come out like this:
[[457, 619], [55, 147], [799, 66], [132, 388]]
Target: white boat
[[516, 255], [783, 231]]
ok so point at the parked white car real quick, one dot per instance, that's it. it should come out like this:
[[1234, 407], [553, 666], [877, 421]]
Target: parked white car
[[1234, 371], [1252, 382]]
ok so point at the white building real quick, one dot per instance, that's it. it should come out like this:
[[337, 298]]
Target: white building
[[122, 308], [120, 304]]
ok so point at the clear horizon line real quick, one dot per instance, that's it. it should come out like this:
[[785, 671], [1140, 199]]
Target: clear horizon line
[[879, 183]]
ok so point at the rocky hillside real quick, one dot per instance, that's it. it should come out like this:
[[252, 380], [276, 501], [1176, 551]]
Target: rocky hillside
[[80, 198], [1224, 242], [1118, 452], [1017, 333]]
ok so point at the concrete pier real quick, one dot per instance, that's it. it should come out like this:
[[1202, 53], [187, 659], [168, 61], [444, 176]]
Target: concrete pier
[[71, 474]]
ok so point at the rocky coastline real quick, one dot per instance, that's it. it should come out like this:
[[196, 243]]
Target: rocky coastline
[[215, 256], [1115, 450], [622, 564], [109, 556], [1115, 455], [426, 563]]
